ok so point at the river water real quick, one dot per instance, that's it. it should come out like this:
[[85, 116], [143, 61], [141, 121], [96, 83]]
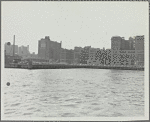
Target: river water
[[73, 93]]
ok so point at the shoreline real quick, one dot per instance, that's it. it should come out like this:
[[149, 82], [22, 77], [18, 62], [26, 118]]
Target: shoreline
[[64, 66]]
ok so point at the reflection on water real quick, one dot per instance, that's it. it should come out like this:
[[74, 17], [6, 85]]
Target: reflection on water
[[73, 93]]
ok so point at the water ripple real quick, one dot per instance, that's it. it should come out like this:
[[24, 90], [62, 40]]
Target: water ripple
[[74, 93]]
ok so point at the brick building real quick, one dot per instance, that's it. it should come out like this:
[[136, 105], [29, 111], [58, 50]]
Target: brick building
[[127, 52], [66, 56], [77, 52], [48, 49], [23, 51], [131, 43], [139, 43], [84, 55], [9, 49], [123, 57], [116, 43], [100, 57], [139, 47]]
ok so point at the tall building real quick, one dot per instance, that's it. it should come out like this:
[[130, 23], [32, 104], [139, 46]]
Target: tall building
[[9, 49], [139, 48], [119, 43], [84, 55], [139, 42], [48, 49], [116, 43], [43, 48], [124, 44], [131, 43], [77, 52], [128, 52], [93, 56]]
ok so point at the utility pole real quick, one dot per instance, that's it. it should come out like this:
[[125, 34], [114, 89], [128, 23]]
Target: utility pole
[[14, 47]]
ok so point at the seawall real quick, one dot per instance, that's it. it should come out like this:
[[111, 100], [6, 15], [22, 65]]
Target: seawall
[[64, 66]]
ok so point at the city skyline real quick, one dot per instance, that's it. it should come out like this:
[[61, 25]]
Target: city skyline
[[19, 46], [124, 52], [74, 23]]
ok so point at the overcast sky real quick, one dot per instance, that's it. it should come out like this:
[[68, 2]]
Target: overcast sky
[[73, 23]]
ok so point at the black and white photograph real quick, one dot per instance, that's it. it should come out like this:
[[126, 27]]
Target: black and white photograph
[[75, 60]]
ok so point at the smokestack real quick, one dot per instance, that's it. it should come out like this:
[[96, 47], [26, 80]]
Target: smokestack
[[14, 46]]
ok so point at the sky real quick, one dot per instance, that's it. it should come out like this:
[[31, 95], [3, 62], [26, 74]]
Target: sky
[[73, 23]]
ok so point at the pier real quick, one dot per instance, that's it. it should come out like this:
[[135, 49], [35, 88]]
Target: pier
[[69, 66]]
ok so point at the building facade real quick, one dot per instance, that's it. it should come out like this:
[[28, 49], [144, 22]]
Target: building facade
[[116, 43], [119, 43], [23, 51], [139, 43], [123, 57], [128, 52], [131, 43], [100, 57], [93, 56], [77, 53], [84, 55], [66, 56], [49, 50], [139, 48], [9, 49]]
